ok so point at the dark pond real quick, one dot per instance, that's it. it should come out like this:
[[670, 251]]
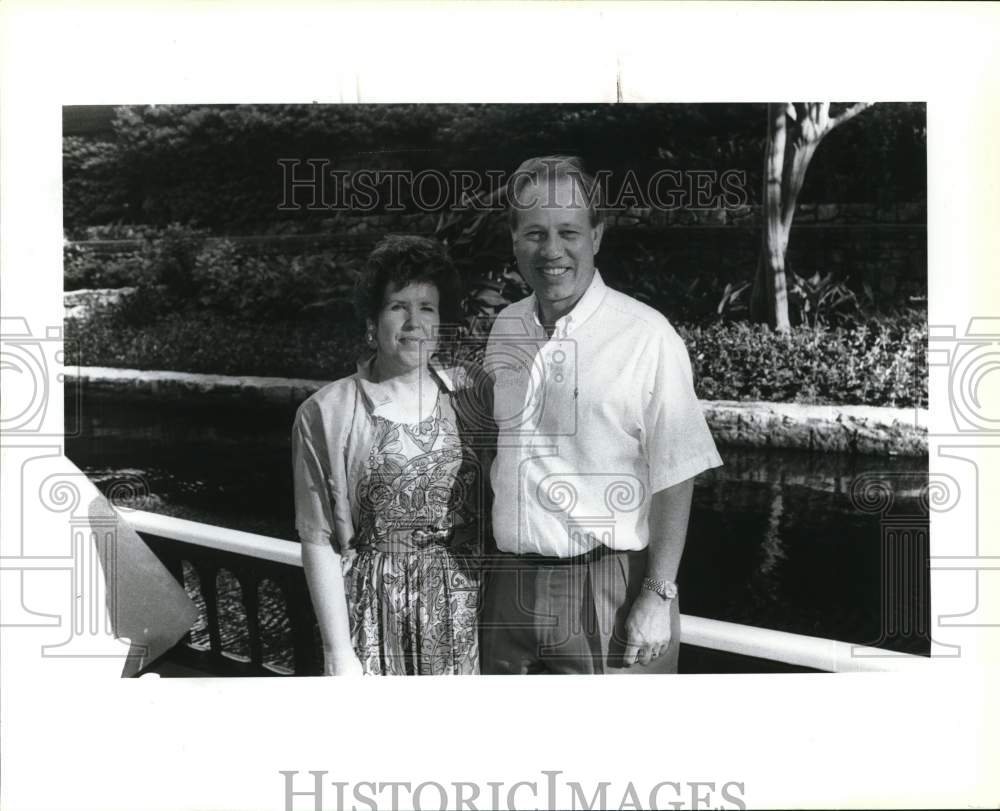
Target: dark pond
[[776, 538]]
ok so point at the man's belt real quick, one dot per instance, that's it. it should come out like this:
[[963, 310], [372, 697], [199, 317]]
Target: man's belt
[[596, 553]]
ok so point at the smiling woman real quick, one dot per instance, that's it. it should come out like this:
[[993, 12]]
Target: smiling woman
[[407, 328], [388, 483]]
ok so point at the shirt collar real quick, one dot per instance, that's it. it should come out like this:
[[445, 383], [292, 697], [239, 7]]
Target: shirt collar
[[584, 308], [376, 393]]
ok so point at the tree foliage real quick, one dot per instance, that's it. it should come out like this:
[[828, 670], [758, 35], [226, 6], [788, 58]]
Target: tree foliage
[[216, 166]]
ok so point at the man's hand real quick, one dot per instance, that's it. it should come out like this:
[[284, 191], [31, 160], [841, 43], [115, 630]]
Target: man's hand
[[346, 664], [647, 629]]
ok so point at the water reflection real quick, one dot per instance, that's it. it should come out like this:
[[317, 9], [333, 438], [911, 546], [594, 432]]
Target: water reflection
[[778, 539]]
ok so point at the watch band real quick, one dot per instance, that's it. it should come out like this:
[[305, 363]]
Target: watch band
[[667, 589]]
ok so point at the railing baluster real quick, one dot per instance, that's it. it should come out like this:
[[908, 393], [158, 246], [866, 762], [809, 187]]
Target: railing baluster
[[208, 575], [294, 604], [251, 604]]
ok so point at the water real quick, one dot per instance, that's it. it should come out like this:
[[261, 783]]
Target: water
[[776, 538]]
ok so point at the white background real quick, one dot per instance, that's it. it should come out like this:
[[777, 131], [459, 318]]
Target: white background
[[76, 737]]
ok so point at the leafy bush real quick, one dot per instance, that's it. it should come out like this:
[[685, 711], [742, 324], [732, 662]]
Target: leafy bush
[[879, 363], [86, 269], [821, 299], [170, 260], [269, 288], [200, 304], [812, 301], [479, 246], [111, 231], [683, 298], [203, 342], [94, 189], [165, 257], [178, 268]]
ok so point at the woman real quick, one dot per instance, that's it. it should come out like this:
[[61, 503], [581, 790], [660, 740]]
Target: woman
[[389, 497]]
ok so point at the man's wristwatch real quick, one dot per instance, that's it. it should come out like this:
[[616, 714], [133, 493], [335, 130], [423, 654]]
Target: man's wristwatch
[[667, 589]]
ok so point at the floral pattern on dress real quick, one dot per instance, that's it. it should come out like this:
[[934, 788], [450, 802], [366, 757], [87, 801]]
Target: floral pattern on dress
[[416, 611]]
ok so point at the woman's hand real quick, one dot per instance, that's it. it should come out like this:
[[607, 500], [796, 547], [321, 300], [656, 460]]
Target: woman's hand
[[344, 664], [347, 558], [323, 570]]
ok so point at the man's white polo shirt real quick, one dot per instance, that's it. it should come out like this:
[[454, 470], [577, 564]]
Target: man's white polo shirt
[[592, 422]]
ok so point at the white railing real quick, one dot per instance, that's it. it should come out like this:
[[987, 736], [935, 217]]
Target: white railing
[[729, 637], [213, 537]]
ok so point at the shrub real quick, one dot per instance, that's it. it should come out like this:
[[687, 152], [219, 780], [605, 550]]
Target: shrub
[[86, 269], [185, 270], [879, 363], [110, 231], [812, 301], [683, 298], [166, 257], [93, 187], [204, 342], [269, 288], [169, 261]]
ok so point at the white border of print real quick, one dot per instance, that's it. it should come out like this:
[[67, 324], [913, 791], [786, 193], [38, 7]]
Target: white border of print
[[74, 736]]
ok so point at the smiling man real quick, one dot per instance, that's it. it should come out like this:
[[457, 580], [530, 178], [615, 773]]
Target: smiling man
[[600, 438]]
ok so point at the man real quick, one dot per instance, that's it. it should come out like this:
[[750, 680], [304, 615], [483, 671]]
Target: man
[[600, 438]]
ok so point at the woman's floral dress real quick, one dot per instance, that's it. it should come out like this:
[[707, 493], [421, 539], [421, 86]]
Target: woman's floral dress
[[413, 588]]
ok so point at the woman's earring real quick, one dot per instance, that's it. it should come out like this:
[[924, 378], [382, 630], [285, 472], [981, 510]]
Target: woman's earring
[[370, 338]]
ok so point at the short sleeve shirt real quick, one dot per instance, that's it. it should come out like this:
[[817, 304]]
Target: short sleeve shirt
[[591, 423]]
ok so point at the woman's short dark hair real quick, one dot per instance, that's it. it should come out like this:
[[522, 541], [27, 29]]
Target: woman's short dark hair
[[400, 260]]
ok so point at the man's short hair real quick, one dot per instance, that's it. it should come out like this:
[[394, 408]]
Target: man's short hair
[[549, 169]]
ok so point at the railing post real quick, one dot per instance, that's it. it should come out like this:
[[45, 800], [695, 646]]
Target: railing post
[[251, 604], [208, 575]]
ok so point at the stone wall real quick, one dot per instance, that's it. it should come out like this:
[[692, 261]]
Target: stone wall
[[841, 429]]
